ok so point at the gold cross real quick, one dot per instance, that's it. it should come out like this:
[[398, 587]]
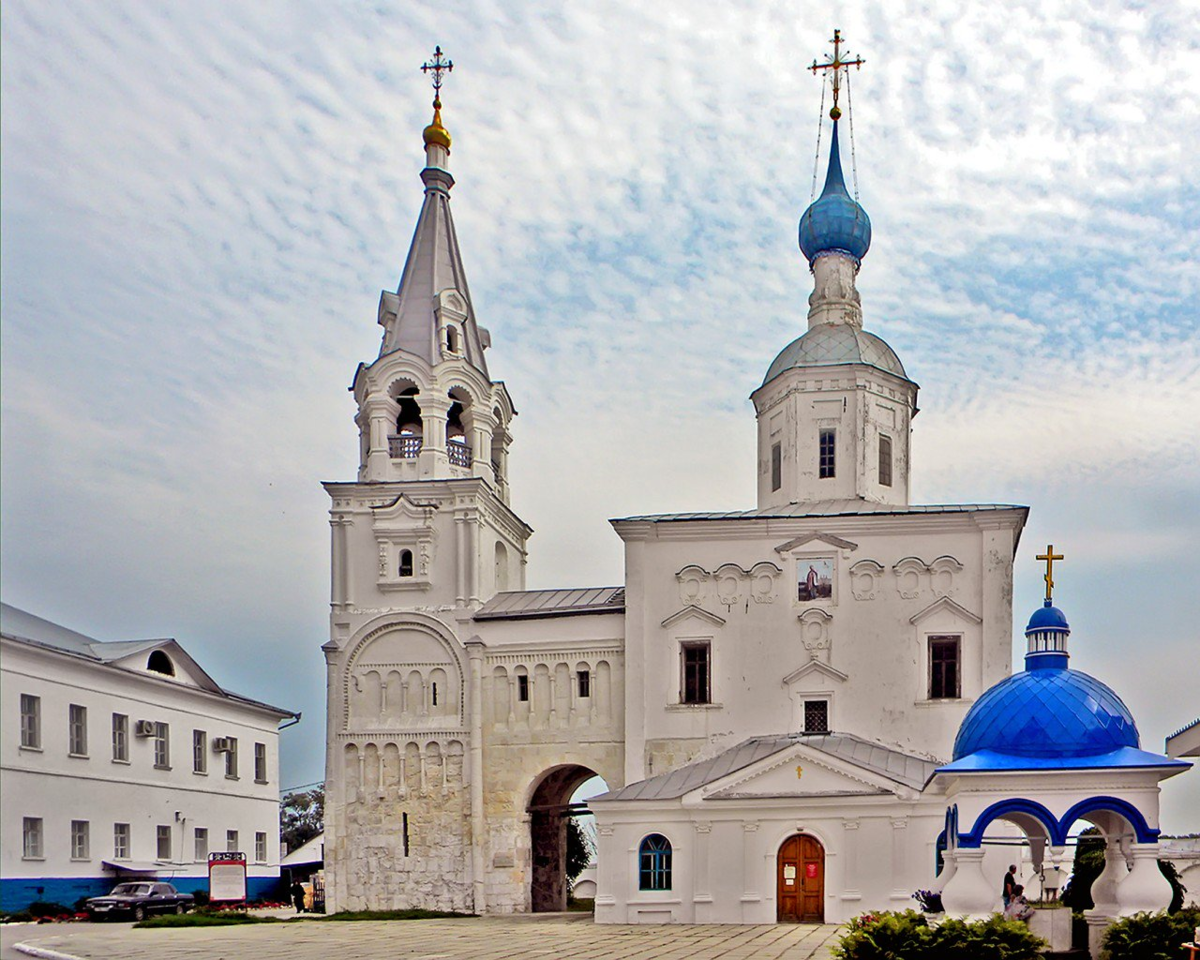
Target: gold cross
[[837, 64], [437, 66], [1049, 556]]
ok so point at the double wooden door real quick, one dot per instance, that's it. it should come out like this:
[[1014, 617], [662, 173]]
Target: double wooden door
[[800, 880]]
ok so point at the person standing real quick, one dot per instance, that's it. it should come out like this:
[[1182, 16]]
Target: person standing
[[1010, 885], [298, 896]]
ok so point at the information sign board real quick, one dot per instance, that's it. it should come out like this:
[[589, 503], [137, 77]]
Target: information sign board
[[227, 877]]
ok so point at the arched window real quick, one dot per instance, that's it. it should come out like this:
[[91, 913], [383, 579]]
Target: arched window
[[452, 340], [159, 662], [501, 566], [406, 563], [654, 863]]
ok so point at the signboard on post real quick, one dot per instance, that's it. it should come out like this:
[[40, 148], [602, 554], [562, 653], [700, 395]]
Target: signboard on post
[[227, 877]]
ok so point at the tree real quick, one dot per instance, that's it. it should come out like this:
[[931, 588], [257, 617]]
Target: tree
[[301, 816], [580, 849], [1089, 862]]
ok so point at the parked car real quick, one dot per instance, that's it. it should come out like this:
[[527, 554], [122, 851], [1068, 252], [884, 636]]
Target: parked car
[[139, 900]]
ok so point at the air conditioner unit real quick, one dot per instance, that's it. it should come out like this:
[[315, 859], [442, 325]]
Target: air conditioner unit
[[222, 744], [144, 728]]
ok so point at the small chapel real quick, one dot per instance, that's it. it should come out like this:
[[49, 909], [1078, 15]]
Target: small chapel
[[793, 706]]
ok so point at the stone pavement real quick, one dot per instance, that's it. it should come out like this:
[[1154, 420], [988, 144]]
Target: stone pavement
[[553, 936]]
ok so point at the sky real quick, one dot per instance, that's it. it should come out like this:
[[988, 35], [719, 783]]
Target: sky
[[200, 203]]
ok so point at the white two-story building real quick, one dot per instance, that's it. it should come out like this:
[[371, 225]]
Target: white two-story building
[[126, 760]]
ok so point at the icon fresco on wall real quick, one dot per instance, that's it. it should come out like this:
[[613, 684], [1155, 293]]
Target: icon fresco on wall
[[815, 580]]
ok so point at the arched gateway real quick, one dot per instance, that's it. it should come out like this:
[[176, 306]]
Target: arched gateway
[[550, 808]]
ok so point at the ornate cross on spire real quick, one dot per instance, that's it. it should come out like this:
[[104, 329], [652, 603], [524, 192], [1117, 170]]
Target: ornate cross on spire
[[437, 66], [837, 65], [1049, 556]]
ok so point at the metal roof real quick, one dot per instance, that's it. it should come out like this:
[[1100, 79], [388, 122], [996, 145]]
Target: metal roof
[[524, 604], [825, 508], [886, 762]]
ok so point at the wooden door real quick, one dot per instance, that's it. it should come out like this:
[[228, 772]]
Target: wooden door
[[800, 880]]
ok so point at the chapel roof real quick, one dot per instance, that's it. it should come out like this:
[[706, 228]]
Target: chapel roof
[[825, 508], [876, 758], [526, 604]]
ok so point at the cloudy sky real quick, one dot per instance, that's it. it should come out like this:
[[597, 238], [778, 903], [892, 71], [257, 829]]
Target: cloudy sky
[[201, 202]]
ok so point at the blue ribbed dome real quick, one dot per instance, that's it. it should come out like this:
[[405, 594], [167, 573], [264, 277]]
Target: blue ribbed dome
[[1047, 714], [835, 221]]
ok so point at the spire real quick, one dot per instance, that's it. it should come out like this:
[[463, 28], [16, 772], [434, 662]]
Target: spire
[[1048, 630], [430, 314]]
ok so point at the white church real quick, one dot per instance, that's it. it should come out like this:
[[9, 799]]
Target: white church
[[774, 694]]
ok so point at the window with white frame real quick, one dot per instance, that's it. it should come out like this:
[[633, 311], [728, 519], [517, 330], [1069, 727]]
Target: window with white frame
[[120, 841], [31, 838], [162, 746], [260, 847], [77, 730], [816, 716], [31, 721], [944, 668], [696, 672], [654, 863], [260, 762], [231, 759], [776, 466], [827, 453], [231, 841], [885, 461], [199, 751], [200, 841], [162, 835], [120, 738], [80, 839]]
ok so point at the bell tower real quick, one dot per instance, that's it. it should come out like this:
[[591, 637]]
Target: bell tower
[[836, 406]]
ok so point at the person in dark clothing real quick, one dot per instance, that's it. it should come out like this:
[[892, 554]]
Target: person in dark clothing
[[1010, 884], [298, 896]]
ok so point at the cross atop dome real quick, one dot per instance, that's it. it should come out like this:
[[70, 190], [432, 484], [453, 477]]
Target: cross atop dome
[[435, 133], [1049, 556], [836, 64]]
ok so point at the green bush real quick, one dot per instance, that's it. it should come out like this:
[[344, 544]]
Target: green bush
[[908, 936], [1150, 936], [200, 898], [47, 908], [198, 919]]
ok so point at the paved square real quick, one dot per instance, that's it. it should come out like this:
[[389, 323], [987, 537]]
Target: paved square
[[491, 938]]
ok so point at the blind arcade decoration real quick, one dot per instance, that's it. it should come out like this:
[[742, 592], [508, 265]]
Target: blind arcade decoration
[[227, 877]]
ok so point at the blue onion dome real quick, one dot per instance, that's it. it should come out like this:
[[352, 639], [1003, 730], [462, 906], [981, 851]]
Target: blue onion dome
[[827, 344], [1047, 711], [835, 222]]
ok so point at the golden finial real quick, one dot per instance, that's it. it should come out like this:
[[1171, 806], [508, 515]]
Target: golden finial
[[435, 132], [837, 64], [1049, 556]]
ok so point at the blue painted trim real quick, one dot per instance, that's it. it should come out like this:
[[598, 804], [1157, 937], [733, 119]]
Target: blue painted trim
[[1000, 808], [1142, 830], [17, 893]]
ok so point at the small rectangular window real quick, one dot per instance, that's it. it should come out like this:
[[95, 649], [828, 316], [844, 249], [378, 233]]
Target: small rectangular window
[[231, 841], [231, 759], [260, 763], [404, 823], [696, 673], [776, 466], [885, 461], [80, 839], [944, 668], [120, 738], [77, 730], [260, 847], [120, 841], [162, 746], [31, 721], [162, 834], [585, 683], [433, 693], [816, 716], [523, 687], [199, 751], [31, 838], [827, 466], [200, 843]]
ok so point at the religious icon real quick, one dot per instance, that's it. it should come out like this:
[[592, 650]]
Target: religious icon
[[810, 871], [814, 580]]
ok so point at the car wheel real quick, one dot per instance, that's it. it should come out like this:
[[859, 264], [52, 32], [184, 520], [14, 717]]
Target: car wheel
[[139, 913], [180, 908]]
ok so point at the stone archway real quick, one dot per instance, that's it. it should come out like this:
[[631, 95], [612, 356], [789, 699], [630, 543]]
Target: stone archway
[[549, 810]]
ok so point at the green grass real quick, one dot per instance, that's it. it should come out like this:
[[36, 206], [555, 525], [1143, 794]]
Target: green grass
[[395, 915], [203, 920]]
